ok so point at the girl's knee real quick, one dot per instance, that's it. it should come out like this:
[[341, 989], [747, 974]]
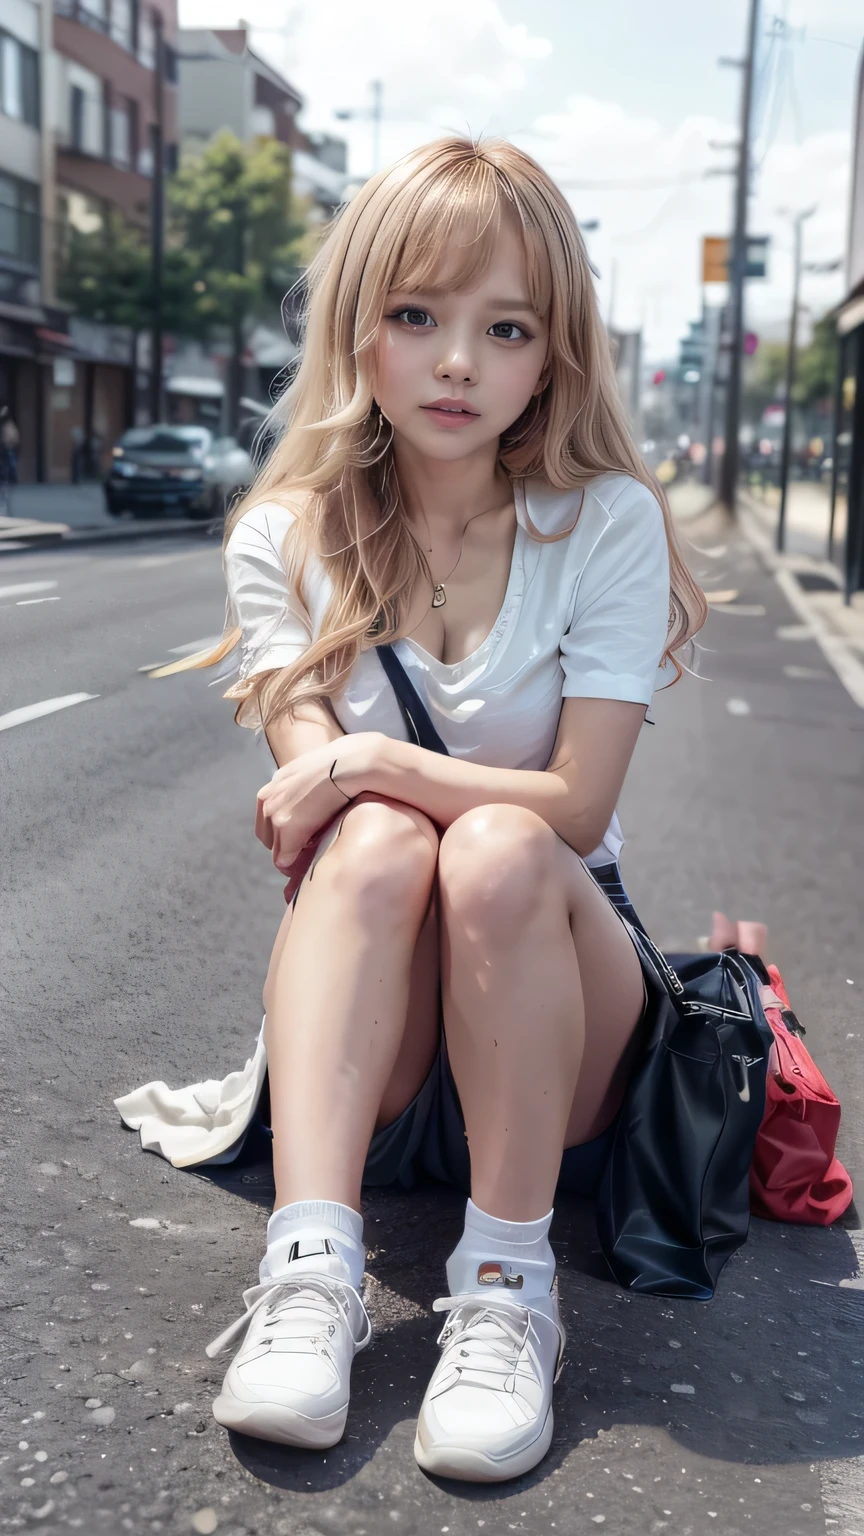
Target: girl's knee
[[384, 856], [497, 865]]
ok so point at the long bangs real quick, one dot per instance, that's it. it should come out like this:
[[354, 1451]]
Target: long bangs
[[450, 225]]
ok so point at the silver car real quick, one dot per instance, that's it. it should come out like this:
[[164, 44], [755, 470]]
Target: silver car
[[184, 470]]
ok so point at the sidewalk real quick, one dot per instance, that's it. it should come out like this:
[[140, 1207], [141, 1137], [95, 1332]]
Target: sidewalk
[[34, 515], [78, 506], [811, 585]]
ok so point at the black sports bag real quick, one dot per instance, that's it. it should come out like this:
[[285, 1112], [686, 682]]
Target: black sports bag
[[675, 1200]]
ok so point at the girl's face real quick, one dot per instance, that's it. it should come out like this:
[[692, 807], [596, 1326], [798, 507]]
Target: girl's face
[[455, 370]]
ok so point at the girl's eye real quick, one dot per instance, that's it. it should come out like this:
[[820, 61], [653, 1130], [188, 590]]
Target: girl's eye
[[415, 317], [501, 327]]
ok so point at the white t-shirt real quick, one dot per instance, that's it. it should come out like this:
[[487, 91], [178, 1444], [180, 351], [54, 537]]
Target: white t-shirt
[[584, 617]]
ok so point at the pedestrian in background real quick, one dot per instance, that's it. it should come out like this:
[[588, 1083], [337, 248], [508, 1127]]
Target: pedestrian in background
[[10, 439], [454, 499]]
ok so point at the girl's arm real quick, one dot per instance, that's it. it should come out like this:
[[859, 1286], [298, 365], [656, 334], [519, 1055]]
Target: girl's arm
[[576, 795], [314, 725]]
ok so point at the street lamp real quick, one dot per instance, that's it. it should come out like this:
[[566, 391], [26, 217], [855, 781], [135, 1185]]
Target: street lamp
[[374, 112]]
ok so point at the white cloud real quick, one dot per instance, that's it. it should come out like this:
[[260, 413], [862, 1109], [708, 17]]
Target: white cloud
[[461, 65], [451, 64], [646, 186]]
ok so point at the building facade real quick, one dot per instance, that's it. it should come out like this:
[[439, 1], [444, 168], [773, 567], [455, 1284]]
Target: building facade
[[108, 96], [32, 331], [80, 97]]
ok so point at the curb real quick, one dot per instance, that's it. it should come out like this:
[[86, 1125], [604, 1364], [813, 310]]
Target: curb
[[26, 543]]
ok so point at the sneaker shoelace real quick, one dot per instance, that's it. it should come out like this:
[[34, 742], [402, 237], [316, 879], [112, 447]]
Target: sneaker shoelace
[[496, 1333], [324, 1300]]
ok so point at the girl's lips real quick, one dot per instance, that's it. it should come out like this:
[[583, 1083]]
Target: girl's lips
[[450, 418]]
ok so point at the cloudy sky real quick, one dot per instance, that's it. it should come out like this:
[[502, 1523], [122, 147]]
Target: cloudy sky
[[620, 102]]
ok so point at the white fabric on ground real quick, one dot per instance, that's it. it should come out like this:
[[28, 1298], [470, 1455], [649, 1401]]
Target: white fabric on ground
[[198, 1124]]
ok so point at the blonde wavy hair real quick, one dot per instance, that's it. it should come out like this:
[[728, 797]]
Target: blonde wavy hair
[[430, 221]]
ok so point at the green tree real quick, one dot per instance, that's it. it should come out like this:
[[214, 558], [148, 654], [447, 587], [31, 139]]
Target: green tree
[[236, 239], [232, 213], [815, 365], [816, 369], [105, 274]]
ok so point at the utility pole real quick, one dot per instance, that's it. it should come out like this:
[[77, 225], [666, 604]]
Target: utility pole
[[786, 453], [737, 272], [235, 362], [157, 216]]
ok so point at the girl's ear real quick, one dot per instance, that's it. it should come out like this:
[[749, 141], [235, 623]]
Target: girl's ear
[[544, 379]]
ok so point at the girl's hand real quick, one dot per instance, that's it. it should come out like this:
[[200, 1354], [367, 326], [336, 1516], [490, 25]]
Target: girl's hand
[[302, 798]]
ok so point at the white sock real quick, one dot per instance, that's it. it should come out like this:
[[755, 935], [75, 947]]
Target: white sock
[[320, 1236], [493, 1253]]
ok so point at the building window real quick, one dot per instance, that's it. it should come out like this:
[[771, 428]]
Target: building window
[[87, 116], [94, 13], [77, 114], [147, 37], [19, 80], [123, 23], [121, 135], [19, 221]]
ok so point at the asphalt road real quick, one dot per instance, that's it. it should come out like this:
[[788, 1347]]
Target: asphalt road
[[138, 913]]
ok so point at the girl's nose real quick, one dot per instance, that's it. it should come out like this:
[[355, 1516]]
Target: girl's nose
[[457, 369]]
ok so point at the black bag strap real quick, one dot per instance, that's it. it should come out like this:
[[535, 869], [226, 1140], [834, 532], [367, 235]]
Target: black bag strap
[[420, 728]]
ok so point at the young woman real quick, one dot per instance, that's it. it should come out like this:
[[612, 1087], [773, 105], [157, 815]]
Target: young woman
[[452, 989]]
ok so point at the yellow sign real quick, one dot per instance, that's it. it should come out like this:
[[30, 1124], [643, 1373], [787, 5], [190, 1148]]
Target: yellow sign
[[715, 259]]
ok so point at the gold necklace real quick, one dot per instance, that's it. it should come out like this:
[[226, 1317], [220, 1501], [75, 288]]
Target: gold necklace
[[439, 592]]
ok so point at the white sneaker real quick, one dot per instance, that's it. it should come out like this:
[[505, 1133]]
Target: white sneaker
[[487, 1413], [290, 1380]]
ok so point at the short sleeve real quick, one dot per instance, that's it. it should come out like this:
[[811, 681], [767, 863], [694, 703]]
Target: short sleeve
[[619, 628], [275, 628]]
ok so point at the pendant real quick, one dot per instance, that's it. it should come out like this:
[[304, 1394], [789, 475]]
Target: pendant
[[439, 596]]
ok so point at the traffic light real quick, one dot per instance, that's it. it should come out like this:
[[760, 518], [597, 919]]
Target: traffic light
[[691, 353]]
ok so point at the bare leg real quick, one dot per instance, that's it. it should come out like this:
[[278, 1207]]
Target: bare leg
[[337, 1000], [542, 991]]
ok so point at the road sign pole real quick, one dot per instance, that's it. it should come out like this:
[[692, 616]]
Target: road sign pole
[[738, 265], [786, 455]]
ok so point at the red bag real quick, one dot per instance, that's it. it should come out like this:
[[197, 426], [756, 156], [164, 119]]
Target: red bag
[[794, 1174]]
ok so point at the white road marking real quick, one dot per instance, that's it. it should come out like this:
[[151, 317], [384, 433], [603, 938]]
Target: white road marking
[[23, 587], [743, 610], [738, 707], [152, 562], [44, 707], [794, 632], [805, 672], [28, 602]]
